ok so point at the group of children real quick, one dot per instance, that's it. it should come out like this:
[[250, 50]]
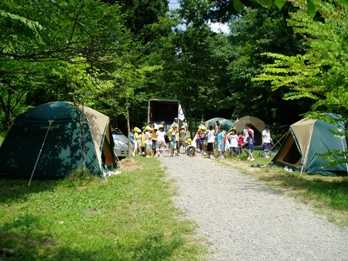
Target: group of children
[[153, 140], [232, 142]]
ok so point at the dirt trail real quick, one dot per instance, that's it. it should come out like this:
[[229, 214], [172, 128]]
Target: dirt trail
[[243, 219]]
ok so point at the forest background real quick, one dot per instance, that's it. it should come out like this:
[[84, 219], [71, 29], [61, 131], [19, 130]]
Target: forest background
[[279, 60]]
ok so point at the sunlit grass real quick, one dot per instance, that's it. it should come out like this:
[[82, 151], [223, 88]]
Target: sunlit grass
[[127, 217]]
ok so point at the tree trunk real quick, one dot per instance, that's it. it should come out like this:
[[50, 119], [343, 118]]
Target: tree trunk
[[8, 120], [128, 129]]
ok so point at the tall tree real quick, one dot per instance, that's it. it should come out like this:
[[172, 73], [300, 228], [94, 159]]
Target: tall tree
[[319, 73], [56, 54], [248, 45]]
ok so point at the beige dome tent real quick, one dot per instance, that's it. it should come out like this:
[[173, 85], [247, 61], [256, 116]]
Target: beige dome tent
[[307, 143], [257, 124]]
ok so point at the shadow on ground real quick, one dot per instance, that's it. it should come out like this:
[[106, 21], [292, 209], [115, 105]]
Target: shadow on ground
[[25, 239], [17, 189]]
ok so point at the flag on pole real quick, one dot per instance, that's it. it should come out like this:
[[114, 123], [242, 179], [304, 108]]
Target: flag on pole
[[181, 115]]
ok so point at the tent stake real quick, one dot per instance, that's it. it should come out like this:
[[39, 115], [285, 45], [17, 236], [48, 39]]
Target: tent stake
[[39, 155]]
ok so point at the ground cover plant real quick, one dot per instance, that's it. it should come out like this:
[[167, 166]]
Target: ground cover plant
[[127, 217], [328, 195]]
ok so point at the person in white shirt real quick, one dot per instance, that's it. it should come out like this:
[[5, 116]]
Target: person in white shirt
[[161, 141], [266, 142], [233, 140], [245, 135], [211, 141]]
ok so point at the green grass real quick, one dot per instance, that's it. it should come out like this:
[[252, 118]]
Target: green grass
[[127, 217], [329, 195]]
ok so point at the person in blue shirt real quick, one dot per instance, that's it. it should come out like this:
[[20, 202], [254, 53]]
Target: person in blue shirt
[[220, 143]]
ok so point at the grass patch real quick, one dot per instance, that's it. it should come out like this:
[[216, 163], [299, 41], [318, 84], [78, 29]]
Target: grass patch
[[328, 195], [128, 217]]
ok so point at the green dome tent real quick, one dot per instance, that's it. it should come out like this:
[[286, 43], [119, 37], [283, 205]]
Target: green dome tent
[[224, 123], [53, 139], [308, 142]]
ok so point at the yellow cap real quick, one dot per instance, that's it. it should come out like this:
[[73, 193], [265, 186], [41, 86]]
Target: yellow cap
[[136, 129]]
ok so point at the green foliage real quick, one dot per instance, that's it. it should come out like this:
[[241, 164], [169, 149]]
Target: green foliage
[[246, 61], [224, 9], [59, 56], [319, 73], [82, 52], [115, 55]]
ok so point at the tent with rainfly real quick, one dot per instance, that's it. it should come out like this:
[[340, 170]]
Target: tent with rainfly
[[56, 138], [307, 146]]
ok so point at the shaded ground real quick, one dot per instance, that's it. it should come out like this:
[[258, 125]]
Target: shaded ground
[[243, 219]]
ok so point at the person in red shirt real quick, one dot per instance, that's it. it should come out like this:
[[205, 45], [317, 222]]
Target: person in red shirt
[[240, 142]]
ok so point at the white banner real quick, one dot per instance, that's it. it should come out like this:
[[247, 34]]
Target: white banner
[[181, 115]]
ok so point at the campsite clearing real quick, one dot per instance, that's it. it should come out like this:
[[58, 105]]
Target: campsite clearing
[[243, 219], [128, 217]]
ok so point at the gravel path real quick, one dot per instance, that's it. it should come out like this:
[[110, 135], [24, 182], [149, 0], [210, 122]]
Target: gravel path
[[242, 219]]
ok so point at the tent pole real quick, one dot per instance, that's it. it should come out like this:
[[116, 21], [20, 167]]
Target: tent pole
[[281, 138], [39, 155], [345, 156]]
